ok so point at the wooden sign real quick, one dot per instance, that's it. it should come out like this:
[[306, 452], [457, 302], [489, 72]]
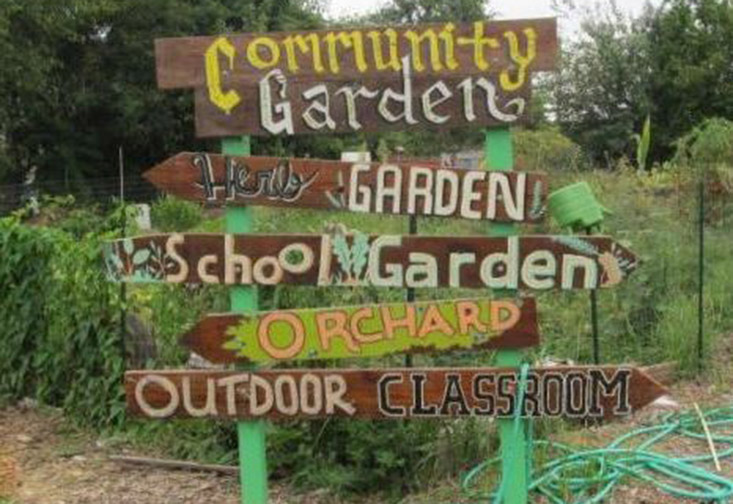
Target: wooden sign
[[368, 79], [527, 262], [371, 106], [362, 188], [569, 392], [365, 331]]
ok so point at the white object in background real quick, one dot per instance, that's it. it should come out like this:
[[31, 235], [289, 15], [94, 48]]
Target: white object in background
[[142, 217], [356, 157]]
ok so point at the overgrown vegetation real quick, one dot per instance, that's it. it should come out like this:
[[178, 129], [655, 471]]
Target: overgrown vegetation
[[60, 319], [170, 214]]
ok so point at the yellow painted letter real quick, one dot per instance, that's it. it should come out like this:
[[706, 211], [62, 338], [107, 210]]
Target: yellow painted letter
[[394, 58], [415, 43], [353, 40], [522, 61], [225, 101], [253, 53], [301, 43]]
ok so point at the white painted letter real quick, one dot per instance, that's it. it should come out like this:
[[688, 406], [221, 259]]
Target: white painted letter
[[425, 192], [394, 271], [166, 385], [267, 111], [360, 196], [170, 250]]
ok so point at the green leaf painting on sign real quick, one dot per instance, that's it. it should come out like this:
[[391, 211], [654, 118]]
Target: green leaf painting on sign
[[351, 258], [141, 257], [136, 265]]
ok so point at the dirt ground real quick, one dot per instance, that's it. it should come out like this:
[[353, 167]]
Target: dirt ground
[[54, 463], [57, 464]]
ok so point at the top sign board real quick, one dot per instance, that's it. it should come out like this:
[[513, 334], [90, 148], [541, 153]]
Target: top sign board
[[371, 79]]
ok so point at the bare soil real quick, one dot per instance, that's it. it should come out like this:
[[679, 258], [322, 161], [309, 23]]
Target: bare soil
[[58, 464]]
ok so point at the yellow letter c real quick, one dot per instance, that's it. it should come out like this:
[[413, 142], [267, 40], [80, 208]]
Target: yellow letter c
[[225, 101]]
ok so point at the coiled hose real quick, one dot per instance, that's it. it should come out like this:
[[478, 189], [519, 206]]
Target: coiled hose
[[629, 456]]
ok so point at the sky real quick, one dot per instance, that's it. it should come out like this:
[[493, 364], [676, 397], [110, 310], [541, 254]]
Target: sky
[[505, 9]]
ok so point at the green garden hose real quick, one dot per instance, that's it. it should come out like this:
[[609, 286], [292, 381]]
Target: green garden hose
[[590, 475]]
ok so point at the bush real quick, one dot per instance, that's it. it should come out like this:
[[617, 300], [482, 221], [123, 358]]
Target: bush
[[547, 149], [60, 320], [170, 214]]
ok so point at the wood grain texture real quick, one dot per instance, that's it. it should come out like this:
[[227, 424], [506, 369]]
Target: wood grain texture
[[527, 262], [570, 392], [180, 62], [334, 185], [365, 331]]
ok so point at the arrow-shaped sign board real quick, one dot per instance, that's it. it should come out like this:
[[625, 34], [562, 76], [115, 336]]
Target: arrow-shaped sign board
[[361, 79], [365, 331], [527, 262], [569, 392], [362, 187]]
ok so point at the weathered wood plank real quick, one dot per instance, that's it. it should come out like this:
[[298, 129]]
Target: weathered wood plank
[[511, 49], [527, 262], [362, 188], [365, 331], [570, 392]]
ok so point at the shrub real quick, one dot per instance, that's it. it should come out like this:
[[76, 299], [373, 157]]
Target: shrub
[[547, 149], [60, 320], [170, 214]]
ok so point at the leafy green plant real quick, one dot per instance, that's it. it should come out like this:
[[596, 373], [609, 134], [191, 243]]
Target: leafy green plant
[[547, 149], [169, 214], [643, 143], [61, 323]]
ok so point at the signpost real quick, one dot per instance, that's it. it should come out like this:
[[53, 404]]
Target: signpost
[[527, 262], [365, 331], [374, 79], [387, 189], [567, 392], [515, 456], [251, 441]]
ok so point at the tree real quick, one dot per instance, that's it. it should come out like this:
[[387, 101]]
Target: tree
[[691, 49], [428, 11], [78, 79], [672, 64], [600, 94]]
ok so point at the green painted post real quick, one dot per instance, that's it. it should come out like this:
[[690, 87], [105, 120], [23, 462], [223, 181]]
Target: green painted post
[[252, 446], [500, 157]]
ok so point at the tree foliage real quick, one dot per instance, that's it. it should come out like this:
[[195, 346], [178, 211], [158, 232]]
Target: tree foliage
[[427, 11], [78, 79], [691, 50], [672, 63], [601, 90]]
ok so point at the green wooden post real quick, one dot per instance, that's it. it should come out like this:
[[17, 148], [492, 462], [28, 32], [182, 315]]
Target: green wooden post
[[500, 156], [252, 446]]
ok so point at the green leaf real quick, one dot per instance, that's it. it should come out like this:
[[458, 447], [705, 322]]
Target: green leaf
[[128, 246], [141, 256], [642, 151], [360, 253], [343, 253]]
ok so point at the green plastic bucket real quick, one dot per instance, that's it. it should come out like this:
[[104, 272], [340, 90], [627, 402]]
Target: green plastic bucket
[[576, 207]]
